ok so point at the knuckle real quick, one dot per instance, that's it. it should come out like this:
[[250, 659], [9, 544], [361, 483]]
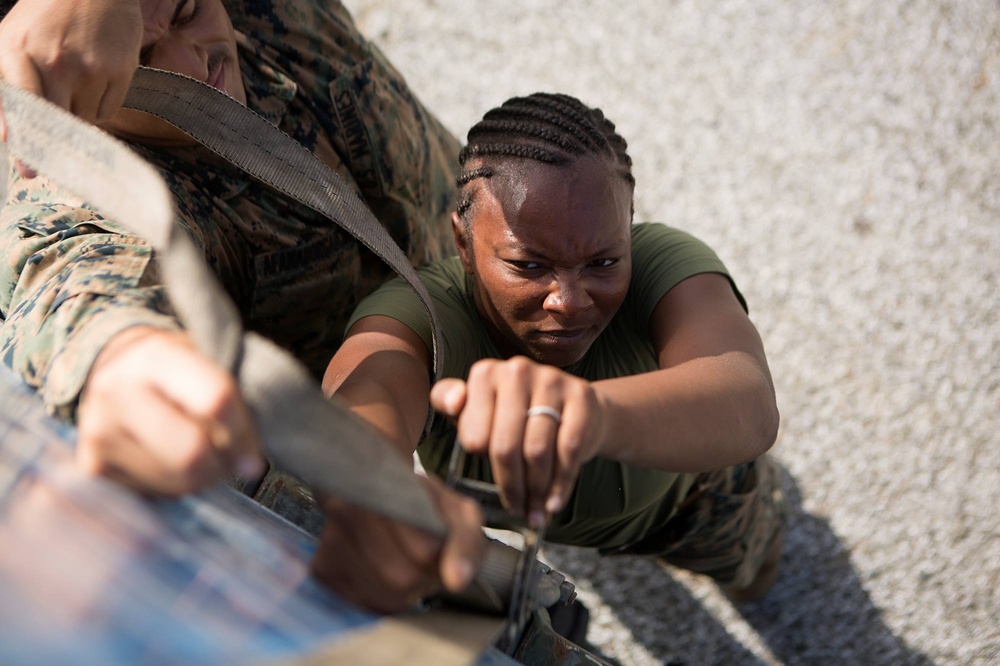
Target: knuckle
[[195, 457], [582, 391], [536, 451], [571, 449], [221, 398], [518, 368], [52, 59], [506, 455], [473, 441], [550, 380], [62, 61], [482, 369], [91, 68]]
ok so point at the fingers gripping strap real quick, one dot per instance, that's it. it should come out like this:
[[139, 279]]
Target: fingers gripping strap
[[318, 441]]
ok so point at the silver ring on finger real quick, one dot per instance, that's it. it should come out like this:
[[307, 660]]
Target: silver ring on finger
[[544, 410]]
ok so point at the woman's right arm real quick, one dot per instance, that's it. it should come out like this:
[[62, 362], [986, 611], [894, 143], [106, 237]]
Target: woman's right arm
[[82, 310], [382, 372]]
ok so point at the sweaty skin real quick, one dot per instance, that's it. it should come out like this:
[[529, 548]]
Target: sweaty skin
[[547, 280]]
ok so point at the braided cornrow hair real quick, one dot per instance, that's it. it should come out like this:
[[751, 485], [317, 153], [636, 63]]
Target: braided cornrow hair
[[550, 128]]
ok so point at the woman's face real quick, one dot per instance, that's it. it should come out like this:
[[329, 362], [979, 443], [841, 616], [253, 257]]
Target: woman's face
[[550, 251], [191, 37]]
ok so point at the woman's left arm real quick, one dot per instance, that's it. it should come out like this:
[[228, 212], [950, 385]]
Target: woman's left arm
[[711, 404]]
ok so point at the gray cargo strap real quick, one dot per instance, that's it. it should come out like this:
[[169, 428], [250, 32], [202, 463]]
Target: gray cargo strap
[[245, 139], [317, 440]]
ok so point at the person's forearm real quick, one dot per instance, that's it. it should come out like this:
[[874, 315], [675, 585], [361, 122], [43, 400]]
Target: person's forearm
[[381, 372], [701, 415], [400, 423]]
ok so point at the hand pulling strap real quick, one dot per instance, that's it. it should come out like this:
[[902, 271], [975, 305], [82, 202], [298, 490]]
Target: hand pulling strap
[[317, 440]]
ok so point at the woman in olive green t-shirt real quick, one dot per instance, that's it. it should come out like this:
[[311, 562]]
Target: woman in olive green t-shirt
[[602, 372]]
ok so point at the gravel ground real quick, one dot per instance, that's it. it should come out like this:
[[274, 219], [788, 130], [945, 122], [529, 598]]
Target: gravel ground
[[842, 157]]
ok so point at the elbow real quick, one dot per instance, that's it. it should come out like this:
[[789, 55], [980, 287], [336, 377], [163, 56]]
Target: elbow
[[758, 420], [765, 418], [767, 421], [769, 429]]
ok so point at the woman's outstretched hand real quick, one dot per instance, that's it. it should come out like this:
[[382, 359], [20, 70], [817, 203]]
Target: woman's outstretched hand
[[386, 566], [537, 425]]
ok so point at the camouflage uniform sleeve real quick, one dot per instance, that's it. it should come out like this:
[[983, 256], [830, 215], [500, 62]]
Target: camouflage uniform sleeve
[[69, 281], [402, 159]]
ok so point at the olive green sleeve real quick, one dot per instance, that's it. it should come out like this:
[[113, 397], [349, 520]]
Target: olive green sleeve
[[662, 258]]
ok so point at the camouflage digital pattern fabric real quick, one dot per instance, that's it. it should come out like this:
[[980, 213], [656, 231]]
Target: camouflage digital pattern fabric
[[70, 279], [725, 525]]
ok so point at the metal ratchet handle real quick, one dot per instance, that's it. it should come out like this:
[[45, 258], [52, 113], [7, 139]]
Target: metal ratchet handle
[[485, 494], [522, 595]]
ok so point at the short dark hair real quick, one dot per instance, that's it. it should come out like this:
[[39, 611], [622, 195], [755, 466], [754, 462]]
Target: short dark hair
[[6, 6], [550, 128]]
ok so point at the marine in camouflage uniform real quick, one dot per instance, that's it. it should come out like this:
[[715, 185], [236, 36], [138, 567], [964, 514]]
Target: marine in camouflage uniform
[[71, 279]]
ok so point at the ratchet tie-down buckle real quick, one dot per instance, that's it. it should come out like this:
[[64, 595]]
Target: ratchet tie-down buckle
[[510, 581]]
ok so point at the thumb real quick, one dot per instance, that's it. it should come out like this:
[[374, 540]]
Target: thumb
[[464, 548], [448, 396]]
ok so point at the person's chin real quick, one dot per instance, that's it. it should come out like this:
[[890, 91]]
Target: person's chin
[[559, 355], [232, 83]]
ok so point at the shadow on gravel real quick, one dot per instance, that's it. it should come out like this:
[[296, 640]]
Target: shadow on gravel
[[817, 613]]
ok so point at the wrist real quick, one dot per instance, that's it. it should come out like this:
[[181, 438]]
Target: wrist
[[123, 340], [607, 445]]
